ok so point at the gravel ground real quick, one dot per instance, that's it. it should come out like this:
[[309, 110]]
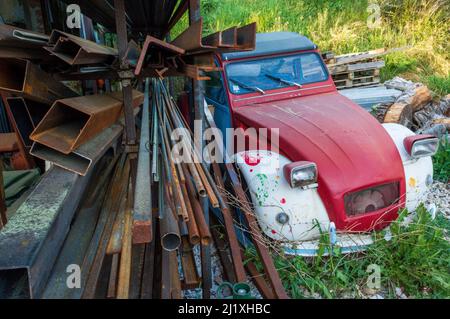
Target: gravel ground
[[440, 196]]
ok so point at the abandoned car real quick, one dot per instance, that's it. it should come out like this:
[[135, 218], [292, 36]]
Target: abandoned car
[[338, 169]]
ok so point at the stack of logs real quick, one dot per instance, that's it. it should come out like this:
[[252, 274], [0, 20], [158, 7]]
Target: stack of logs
[[415, 108]]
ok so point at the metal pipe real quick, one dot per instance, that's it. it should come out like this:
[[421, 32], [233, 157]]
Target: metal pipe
[[170, 233], [202, 225]]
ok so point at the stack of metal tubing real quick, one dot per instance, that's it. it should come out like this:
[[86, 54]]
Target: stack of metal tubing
[[144, 215], [142, 236]]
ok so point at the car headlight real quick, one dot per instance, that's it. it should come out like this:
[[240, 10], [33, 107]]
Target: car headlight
[[301, 174], [421, 145]]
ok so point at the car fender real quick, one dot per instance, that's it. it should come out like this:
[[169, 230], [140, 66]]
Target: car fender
[[418, 172], [271, 194]]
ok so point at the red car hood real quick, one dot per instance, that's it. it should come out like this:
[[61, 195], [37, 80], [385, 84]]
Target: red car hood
[[351, 149]]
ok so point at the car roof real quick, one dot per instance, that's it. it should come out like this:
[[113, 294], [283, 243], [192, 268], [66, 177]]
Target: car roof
[[273, 43]]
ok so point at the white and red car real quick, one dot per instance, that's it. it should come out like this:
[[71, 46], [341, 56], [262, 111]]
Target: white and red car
[[338, 169]]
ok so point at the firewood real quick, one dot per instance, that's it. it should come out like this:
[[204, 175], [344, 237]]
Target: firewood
[[444, 120], [421, 98], [400, 113]]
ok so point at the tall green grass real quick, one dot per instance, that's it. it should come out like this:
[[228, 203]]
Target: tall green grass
[[341, 26], [416, 260]]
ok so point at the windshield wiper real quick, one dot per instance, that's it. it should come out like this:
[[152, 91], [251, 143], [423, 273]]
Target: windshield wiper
[[248, 87], [280, 79]]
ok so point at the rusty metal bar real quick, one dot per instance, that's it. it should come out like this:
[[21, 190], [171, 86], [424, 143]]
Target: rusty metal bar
[[23, 78], [72, 122], [81, 159], [93, 261], [190, 274], [258, 279], [116, 239], [76, 51], [222, 250], [246, 37], [152, 46], [205, 253], [175, 282], [142, 213], [149, 269], [137, 266], [123, 284], [112, 284], [165, 275], [239, 270]]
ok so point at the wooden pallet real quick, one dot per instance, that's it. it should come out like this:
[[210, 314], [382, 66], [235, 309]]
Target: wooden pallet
[[361, 81], [356, 74], [354, 67]]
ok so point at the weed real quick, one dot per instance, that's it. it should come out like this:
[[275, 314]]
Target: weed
[[441, 160], [341, 26], [415, 259]]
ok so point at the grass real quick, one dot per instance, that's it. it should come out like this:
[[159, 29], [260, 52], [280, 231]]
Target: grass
[[341, 26], [441, 161], [416, 259]]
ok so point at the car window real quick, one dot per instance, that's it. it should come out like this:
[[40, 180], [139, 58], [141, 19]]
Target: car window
[[275, 72], [214, 88]]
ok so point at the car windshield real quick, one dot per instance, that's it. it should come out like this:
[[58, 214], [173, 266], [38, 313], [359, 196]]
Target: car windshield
[[275, 72]]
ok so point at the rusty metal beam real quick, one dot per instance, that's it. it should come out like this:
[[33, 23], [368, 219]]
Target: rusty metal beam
[[26, 79], [142, 213], [235, 250], [123, 284], [95, 255], [11, 36], [38, 228], [153, 46], [72, 122], [81, 159], [190, 274], [77, 51]]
